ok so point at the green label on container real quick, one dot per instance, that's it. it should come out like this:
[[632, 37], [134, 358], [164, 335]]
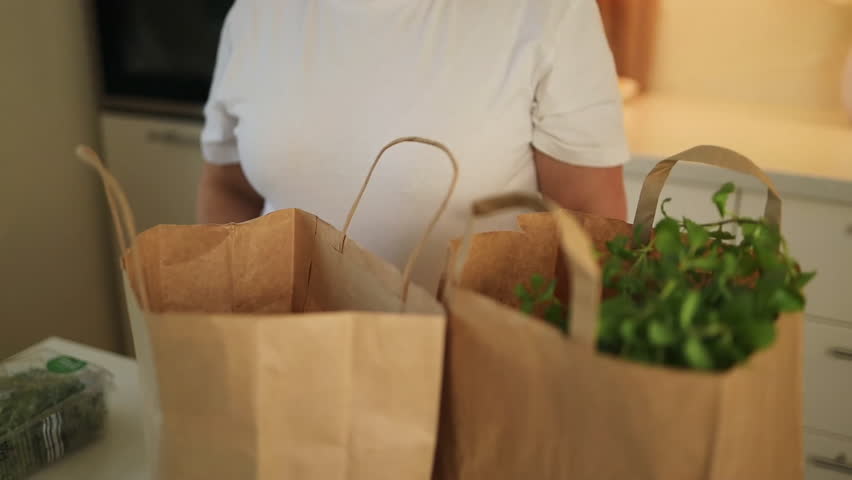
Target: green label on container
[[65, 364]]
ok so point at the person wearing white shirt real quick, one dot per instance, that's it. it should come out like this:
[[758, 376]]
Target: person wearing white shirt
[[306, 92]]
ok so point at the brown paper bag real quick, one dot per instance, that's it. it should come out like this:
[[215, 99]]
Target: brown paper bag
[[279, 348], [523, 401]]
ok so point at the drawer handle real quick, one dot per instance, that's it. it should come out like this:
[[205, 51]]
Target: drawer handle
[[837, 464], [172, 137], [841, 353]]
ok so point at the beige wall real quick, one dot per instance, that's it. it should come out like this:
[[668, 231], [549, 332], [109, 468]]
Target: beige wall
[[781, 52], [55, 272]]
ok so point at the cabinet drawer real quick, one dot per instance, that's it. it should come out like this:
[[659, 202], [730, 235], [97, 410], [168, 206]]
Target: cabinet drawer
[[828, 377], [827, 457], [820, 237]]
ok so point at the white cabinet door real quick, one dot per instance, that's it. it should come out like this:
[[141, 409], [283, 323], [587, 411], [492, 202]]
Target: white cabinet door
[[158, 162], [828, 377], [819, 235], [827, 457]]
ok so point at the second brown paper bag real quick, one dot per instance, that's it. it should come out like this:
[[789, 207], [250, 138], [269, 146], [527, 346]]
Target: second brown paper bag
[[522, 400]]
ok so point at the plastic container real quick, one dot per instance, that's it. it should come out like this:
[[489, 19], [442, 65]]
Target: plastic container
[[50, 406]]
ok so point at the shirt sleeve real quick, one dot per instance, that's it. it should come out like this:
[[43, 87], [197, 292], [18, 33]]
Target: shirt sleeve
[[577, 114], [218, 140]]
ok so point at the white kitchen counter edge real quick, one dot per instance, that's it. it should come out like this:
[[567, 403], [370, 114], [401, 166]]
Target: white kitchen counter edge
[[817, 188]]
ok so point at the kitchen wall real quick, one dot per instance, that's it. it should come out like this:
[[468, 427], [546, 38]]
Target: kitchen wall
[[778, 52], [56, 277]]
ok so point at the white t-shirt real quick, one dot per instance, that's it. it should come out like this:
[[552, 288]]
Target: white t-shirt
[[306, 92]]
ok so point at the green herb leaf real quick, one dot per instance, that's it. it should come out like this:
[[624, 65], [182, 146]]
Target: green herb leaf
[[758, 335], [618, 247], [667, 237], [547, 295], [770, 281], [696, 354], [640, 353], [739, 308], [661, 335], [669, 288], [729, 264], [618, 307], [631, 285], [803, 279], [609, 328], [688, 308], [713, 328], [555, 315], [720, 198], [726, 354], [537, 282], [628, 331], [710, 330], [707, 263], [522, 293], [746, 266], [611, 268], [786, 301], [749, 230], [698, 235]]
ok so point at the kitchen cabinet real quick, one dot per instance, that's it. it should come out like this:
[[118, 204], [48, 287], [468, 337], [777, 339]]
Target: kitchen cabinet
[[828, 376], [827, 457], [158, 161]]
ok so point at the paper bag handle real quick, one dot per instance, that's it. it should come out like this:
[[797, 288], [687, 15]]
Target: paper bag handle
[[415, 253], [122, 216], [708, 155], [574, 243]]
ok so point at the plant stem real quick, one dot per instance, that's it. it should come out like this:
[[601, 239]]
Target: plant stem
[[737, 220]]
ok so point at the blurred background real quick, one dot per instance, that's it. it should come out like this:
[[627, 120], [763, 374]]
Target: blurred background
[[130, 77]]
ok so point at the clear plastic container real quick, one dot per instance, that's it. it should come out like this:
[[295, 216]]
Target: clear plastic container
[[51, 405]]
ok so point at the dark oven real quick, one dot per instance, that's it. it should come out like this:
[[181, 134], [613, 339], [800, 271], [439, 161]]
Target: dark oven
[[158, 55]]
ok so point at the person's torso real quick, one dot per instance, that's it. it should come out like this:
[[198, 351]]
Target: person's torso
[[321, 85]]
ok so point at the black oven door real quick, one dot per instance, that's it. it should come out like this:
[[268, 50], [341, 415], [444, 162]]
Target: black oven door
[[158, 55]]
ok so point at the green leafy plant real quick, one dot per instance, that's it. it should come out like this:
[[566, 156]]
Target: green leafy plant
[[695, 296]]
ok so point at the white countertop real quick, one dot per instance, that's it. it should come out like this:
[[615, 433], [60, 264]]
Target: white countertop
[[807, 153], [119, 454]]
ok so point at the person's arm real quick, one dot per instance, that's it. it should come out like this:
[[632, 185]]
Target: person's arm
[[597, 190], [226, 196], [578, 138]]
